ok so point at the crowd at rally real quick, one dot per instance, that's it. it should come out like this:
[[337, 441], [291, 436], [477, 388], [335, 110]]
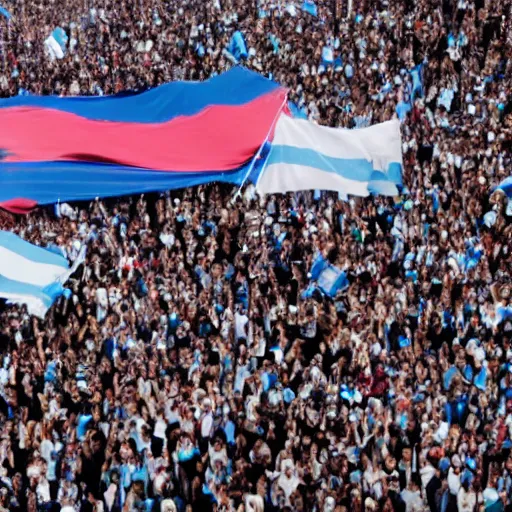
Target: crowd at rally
[[185, 369]]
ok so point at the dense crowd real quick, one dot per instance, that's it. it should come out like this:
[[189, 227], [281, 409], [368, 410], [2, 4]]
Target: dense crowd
[[185, 369]]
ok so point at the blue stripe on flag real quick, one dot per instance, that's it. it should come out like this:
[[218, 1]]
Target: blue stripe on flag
[[61, 37], [78, 181], [8, 286], [53, 291], [330, 279], [34, 253], [296, 111], [5, 13], [355, 169], [318, 266], [236, 87]]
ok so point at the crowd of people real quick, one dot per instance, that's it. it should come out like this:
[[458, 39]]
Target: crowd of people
[[186, 369]]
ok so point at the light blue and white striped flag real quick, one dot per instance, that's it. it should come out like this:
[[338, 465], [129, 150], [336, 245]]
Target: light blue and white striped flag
[[56, 44], [326, 277], [32, 275], [306, 156]]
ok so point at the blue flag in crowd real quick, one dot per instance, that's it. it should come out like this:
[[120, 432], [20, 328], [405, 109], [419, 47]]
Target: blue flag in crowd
[[503, 313], [402, 109], [481, 379], [448, 377], [275, 43], [310, 7], [506, 186], [5, 13], [417, 82], [330, 279], [327, 55], [56, 43], [61, 37], [237, 46]]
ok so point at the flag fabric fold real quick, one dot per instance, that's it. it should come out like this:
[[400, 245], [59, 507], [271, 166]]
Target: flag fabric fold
[[306, 156], [32, 275], [177, 135]]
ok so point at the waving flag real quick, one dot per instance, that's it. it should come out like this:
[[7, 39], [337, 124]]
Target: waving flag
[[56, 44], [179, 134], [5, 13], [237, 46], [328, 278], [310, 7], [32, 275], [305, 156]]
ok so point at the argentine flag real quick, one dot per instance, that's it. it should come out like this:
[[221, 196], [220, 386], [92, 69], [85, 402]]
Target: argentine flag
[[328, 278], [56, 44], [32, 275], [306, 156]]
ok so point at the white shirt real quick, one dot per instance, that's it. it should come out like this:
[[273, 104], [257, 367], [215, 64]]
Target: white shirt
[[102, 297], [412, 500], [241, 322], [206, 425], [46, 448], [453, 482], [466, 500], [160, 428], [43, 491]]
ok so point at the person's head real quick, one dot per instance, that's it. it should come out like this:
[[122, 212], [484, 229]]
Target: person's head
[[390, 463], [406, 454]]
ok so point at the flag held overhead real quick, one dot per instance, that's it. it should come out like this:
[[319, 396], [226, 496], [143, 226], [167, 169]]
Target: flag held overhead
[[32, 275], [306, 156]]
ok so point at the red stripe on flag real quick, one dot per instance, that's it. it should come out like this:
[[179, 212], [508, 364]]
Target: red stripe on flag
[[219, 138]]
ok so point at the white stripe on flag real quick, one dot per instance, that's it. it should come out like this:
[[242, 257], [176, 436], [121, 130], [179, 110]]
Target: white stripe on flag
[[54, 48], [307, 156], [32, 275], [19, 268], [278, 178], [35, 306]]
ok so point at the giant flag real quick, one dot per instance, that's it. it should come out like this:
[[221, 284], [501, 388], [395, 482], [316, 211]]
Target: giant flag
[[306, 156], [176, 135]]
